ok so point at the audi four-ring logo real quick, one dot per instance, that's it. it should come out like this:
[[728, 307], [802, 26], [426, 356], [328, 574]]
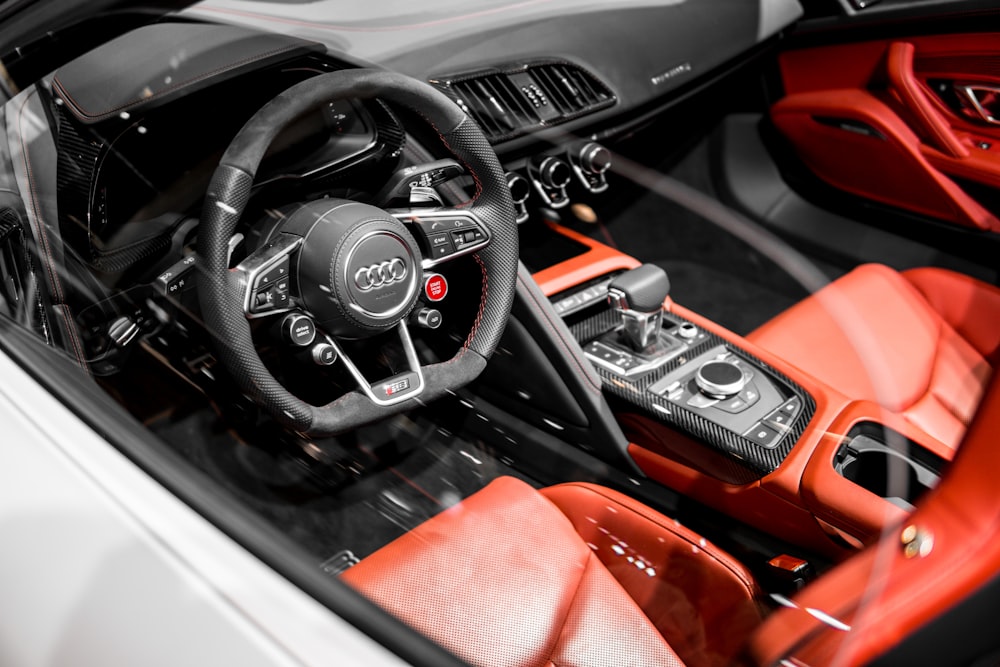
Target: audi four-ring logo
[[380, 275]]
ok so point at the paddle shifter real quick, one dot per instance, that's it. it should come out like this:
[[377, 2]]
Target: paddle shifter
[[638, 296]]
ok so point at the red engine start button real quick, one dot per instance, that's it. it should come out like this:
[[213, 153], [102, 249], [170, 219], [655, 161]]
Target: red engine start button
[[435, 287]]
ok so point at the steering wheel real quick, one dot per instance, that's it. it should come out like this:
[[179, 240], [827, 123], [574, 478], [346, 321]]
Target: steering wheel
[[351, 270]]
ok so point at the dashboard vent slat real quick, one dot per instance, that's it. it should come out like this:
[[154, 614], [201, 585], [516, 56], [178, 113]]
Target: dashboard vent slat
[[513, 101]]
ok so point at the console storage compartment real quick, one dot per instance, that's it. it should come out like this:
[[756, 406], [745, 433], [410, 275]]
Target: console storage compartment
[[888, 464]]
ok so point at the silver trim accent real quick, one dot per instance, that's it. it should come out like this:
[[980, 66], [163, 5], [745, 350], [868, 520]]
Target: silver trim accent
[[366, 386], [541, 172], [123, 330], [261, 261], [520, 206], [409, 292], [635, 370], [720, 391], [586, 155], [425, 318], [639, 327], [379, 275], [969, 90], [317, 353], [411, 215]]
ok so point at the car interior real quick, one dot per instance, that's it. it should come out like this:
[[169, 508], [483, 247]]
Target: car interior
[[618, 333]]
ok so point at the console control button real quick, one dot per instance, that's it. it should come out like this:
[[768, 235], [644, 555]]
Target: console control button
[[720, 379], [687, 331], [701, 401], [428, 318], [324, 354], [792, 407], [736, 404], [609, 356], [763, 435], [780, 418], [298, 330], [750, 393]]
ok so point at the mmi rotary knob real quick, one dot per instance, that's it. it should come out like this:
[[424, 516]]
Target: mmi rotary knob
[[720, 379]]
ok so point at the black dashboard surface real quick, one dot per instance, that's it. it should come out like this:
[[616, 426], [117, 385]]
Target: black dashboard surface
[[641, 49]]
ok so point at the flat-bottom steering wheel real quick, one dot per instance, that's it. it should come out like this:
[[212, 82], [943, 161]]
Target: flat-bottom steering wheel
[[350, 269]]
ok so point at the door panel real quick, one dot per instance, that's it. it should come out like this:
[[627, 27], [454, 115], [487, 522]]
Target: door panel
[[897, 120]]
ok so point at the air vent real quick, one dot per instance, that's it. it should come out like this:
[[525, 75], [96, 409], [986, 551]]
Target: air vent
[[572, 90], [515, 100]]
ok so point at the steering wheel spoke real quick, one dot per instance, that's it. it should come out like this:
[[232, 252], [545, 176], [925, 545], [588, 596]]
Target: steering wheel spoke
[[395, 389], [445, 233], [267, 277], [357, 268]]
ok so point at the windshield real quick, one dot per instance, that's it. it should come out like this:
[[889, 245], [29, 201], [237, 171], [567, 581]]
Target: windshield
[[562, 333]]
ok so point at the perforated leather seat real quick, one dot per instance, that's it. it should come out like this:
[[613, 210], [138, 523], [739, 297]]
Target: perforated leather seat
[[922, 344], [574, 574]]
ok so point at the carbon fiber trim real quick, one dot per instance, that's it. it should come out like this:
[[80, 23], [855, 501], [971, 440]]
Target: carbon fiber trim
[[750, 461]]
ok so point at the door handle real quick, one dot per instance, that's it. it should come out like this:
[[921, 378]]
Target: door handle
[[982, 99], [924, 117]]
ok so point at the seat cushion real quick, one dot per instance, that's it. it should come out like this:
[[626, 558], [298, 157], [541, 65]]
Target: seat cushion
[[504, 578], [919, 343]]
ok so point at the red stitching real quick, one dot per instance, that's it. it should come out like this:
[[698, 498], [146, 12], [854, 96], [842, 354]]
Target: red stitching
[[482, 302], [468, 167]]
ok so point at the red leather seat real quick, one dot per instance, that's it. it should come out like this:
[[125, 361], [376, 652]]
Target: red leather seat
[[922, 343], [574, 574]]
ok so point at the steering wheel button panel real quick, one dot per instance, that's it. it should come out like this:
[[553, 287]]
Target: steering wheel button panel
[[267, 275], [446, 233], [278, 272]]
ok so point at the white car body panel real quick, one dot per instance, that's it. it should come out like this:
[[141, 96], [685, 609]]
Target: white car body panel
[[103, 566]]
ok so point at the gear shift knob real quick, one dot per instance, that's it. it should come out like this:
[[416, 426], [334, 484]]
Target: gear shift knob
[[638, 295]]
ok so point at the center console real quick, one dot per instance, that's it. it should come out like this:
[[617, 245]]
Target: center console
[[689, 378], [601, 357]]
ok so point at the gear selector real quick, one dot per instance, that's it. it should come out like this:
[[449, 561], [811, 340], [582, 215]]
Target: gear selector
[[638, 295]]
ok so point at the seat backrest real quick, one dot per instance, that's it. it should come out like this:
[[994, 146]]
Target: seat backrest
[[945, 551]]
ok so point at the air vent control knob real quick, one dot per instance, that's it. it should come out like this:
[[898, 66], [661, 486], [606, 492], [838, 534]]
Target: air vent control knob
[[590, 161], [520, 192], [554, 173], [594, 158], [550, 175]]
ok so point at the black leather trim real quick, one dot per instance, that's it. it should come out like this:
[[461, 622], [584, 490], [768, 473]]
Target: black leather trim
[[156, 63], [230, 190]]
